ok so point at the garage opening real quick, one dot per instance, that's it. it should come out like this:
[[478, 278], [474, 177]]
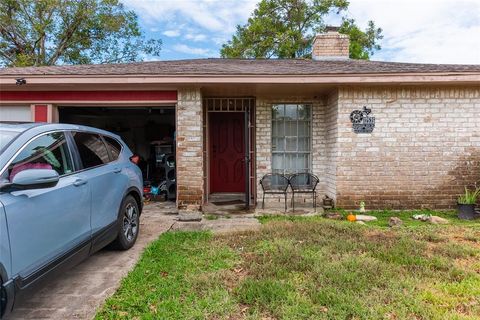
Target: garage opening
[[148, 131]]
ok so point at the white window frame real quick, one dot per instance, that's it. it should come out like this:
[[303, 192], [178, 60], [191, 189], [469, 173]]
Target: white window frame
[[309, 122]]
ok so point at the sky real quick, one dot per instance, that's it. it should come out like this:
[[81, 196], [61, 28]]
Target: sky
[[423, 31]]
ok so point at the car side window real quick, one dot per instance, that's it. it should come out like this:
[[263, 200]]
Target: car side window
[[113, 146], [48, 151], [91, 148]]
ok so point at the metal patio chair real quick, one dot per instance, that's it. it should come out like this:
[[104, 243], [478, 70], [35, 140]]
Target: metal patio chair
[[304, 183], [274, 183]]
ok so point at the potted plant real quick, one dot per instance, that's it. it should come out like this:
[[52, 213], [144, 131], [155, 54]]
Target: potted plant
[[466, 203]]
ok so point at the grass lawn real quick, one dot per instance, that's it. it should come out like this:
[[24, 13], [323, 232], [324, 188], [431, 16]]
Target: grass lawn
[[308, 268]]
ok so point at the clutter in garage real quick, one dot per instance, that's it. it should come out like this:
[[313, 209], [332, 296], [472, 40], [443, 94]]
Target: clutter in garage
[[148, 131]]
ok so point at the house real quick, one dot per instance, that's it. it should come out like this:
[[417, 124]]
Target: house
[[396, 135]]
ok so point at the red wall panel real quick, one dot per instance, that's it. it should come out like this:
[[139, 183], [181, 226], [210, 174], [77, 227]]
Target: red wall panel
[[41, 113]]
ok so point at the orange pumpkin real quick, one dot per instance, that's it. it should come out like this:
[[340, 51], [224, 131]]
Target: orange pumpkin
[[351, 217]]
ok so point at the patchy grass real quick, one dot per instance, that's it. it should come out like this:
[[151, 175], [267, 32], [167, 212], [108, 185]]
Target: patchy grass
[[171, 281], [210, 216], [306, 268], [384, 215]]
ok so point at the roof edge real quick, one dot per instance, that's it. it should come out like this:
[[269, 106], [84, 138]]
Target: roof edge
[[382, 78]]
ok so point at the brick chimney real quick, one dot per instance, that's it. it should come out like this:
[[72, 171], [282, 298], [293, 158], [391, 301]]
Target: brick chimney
[[331, 45]]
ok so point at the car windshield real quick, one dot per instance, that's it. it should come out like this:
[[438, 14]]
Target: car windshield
[[5, 138]]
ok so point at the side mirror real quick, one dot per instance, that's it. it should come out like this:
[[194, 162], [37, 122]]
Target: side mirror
[[33, 179]]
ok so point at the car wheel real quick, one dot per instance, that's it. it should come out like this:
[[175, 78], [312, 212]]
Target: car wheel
[[129, 224], [3, 299]]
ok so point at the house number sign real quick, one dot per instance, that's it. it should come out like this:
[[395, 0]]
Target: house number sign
[[362, 122]]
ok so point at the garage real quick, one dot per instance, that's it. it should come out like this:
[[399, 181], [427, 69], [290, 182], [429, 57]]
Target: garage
[[148, 131]]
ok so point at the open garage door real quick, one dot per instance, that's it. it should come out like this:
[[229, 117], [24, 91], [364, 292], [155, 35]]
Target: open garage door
[[148, 131]]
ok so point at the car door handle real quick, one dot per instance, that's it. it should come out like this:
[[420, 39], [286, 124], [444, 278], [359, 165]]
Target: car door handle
[[117, 170], [79, 182]]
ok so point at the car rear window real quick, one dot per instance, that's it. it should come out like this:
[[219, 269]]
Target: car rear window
[[93, 151], [114, 147]]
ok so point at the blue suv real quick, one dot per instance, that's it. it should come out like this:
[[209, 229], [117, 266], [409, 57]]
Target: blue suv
[[66, 191]]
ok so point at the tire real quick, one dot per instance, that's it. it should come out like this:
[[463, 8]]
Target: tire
[[3, 299], [128, 224]]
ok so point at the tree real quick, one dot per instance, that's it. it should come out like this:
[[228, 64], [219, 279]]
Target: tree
[[287, 28], [49, 32]]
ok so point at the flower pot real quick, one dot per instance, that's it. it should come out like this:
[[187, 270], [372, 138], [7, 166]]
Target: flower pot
[[466, 211]]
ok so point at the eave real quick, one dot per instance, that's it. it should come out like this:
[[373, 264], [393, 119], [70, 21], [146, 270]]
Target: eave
[[183, 80]]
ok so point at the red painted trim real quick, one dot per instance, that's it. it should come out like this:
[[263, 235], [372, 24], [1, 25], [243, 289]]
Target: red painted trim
[[88, 95], [41, 113]]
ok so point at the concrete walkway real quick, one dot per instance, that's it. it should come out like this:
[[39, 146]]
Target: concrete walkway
[[233, 223], [79, 292]]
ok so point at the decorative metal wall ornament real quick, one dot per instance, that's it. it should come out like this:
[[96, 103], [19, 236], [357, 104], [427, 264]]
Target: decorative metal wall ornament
[[362, 122]]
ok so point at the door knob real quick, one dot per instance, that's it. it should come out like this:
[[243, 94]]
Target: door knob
[[79, 182]]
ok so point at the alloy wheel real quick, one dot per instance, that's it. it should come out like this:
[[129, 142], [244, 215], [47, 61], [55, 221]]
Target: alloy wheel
[[130, 222]]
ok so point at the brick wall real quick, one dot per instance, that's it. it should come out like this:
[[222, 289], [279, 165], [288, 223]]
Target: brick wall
[[319, 151], [330, 45], [264, 142], [331, 145], [190, 181], [424, 149], [263, 135]]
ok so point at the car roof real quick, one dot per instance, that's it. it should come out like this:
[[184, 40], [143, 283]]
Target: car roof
[[17, 126], [43, 126]]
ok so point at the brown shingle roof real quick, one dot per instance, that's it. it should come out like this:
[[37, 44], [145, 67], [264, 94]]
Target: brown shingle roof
[[226, 67]]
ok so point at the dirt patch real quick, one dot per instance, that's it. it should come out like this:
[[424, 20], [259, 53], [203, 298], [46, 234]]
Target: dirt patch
[[378, 235], [459, 235]]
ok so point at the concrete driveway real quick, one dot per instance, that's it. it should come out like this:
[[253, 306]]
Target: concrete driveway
[[79, 292]]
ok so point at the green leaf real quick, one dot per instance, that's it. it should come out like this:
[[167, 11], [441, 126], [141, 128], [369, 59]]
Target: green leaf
[[287, 28], [48, 32]]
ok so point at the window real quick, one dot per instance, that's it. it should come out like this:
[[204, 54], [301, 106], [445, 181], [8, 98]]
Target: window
[[113, 146], [93, 151], [291, 138], [6, 137], [49, 151]]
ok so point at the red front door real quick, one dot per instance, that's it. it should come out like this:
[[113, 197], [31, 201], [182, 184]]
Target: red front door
[[227, 152]]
